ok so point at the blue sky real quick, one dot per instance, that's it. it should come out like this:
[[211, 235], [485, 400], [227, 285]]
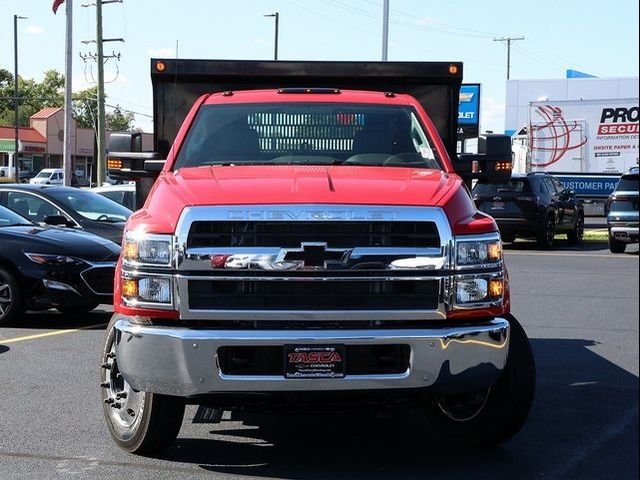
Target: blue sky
[[597, 37]]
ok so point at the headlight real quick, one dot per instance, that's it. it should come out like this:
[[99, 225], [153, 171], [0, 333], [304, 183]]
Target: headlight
[[485, 287], [474, 289], [478, 251], [148, 249], [154, 291], [53, 260]]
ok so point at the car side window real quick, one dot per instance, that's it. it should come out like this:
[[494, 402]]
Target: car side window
[[30, 206], [558, 184], [549, 185]]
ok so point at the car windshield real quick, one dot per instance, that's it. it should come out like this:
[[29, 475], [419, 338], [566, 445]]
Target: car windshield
[[514, 185], [308, 134], [92, 206], [628, 183], [44, 174], [9, 218], [624, 206]]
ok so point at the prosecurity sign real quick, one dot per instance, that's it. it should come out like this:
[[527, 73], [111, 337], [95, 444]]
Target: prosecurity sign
[[469, 111]]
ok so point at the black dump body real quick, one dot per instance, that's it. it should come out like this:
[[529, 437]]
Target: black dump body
[[178, 83]]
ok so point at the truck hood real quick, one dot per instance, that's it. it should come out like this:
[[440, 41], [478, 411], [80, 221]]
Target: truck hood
[[272, 185]]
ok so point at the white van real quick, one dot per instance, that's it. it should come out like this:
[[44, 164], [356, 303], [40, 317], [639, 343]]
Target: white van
[[49, 176]]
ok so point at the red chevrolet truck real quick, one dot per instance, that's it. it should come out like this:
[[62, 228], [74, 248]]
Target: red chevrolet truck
[[307, 240]]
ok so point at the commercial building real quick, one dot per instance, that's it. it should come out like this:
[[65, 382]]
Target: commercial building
[[40, 144], [522, 93]]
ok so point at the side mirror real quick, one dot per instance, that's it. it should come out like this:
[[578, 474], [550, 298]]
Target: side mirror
[[126, 161], [492, 163], [56, 220]]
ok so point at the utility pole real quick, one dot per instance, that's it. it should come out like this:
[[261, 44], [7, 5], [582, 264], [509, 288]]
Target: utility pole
[[276, 16], [67, 158], [101, 153], [99, 58], [16, 163], [508, 41], [385, 31]]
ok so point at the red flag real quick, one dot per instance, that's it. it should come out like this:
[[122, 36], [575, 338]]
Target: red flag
[[56, 5]]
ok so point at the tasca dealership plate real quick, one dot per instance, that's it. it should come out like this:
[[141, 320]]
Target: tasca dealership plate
[[314, 361]]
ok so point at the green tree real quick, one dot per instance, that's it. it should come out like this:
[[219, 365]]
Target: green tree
[[119, 120], [34, 96]]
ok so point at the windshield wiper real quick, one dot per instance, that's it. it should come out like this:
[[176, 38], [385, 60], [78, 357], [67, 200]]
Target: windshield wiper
[[109, 220]]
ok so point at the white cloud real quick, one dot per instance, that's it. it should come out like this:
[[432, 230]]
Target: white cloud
[[161, 52], [492, 115], [34, 30]]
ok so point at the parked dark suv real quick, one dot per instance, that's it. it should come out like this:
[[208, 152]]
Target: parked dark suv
[[622, 212], [533, 205]]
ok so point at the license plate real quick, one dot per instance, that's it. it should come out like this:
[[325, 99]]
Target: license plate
[[314, 361], [497, 206]]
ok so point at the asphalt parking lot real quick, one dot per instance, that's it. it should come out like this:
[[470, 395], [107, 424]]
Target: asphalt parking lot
[[579, 307]]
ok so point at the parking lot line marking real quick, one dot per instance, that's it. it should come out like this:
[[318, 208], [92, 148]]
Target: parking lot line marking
[[49, 334]]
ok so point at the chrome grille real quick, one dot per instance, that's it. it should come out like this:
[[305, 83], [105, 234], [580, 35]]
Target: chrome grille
[[311, 262], [347, 234]]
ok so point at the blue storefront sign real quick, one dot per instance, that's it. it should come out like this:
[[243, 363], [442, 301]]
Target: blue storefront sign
[[589, 185], [469, 111]]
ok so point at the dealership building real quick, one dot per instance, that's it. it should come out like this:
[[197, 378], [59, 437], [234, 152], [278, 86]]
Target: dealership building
[[40, 144]]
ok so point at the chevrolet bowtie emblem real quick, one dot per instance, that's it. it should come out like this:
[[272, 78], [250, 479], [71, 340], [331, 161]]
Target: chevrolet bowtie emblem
[[314, 254]]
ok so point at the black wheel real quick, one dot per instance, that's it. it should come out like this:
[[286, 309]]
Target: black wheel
[[616, 246], [547, 234], [139, 422], [10, 297], [77, 311], [494, 415], [575, 235]]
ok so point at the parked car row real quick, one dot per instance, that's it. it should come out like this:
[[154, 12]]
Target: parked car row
[[58, 248], [534, 205], [44, 267]]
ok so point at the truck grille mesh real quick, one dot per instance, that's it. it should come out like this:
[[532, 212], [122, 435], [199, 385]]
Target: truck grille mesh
[[324, 295], [291, 234]]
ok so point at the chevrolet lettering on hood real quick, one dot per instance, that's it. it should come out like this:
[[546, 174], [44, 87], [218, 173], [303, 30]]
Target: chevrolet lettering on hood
[[281, 214]]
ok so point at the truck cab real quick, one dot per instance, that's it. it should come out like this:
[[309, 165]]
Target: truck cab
[[314, 245]]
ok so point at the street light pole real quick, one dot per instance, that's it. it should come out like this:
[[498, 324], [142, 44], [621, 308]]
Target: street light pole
[[276, 16], [16, 165], [385, 31]]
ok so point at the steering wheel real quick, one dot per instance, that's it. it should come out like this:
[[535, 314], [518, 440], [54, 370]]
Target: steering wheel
[[104, 216]]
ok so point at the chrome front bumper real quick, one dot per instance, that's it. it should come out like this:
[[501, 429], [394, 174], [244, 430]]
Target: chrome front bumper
[[625, 234], [183, 362]]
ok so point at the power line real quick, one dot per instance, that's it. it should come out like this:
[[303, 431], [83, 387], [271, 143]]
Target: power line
[[377, 35], [509, 41]]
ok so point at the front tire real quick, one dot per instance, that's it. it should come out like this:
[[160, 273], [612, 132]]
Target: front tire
[[616, 246], [138, 422], [575, 235], [10, 297], [546, 236], [495, 415]]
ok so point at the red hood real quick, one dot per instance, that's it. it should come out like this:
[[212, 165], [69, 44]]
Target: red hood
[[238, 185]]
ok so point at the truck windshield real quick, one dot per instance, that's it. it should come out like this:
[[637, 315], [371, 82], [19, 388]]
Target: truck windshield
[[307, 134]]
